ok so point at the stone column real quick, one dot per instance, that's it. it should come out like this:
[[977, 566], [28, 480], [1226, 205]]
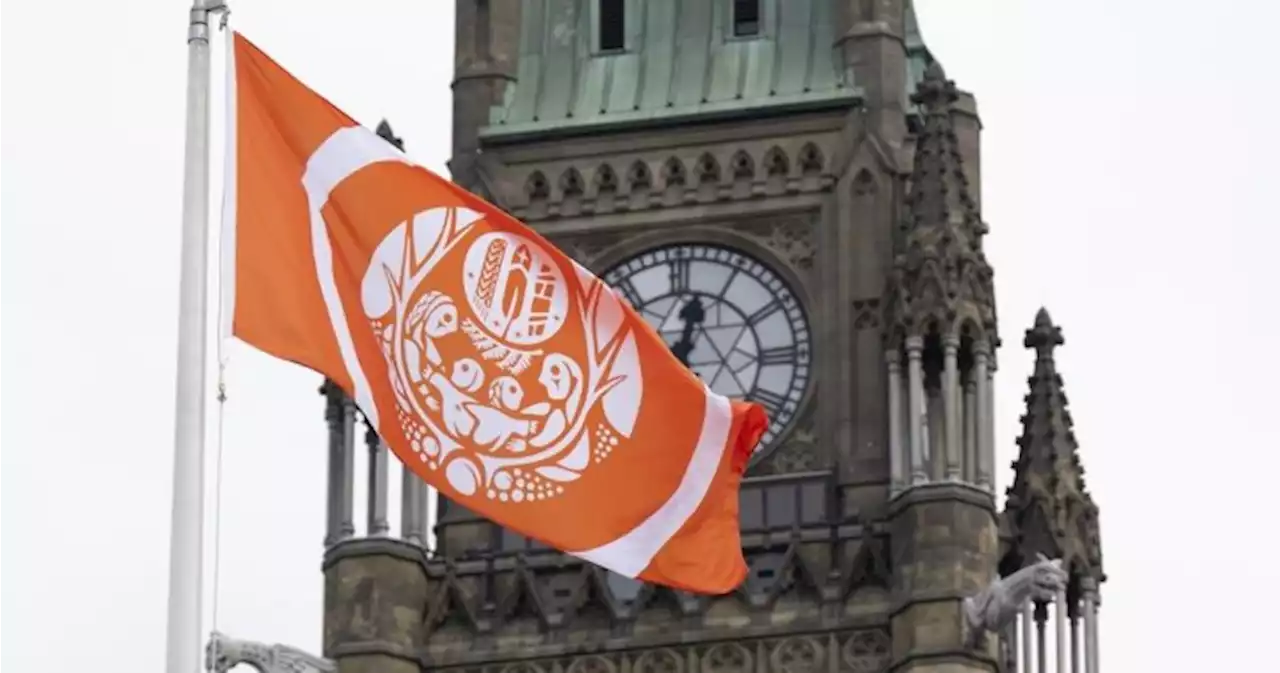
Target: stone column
[[969, 460], [1074, 615], [411, 507], [340, 415], [1011, 646], [1060, 630], [1090, 587], [1028, 639], [951, 406], [915, 396], [424, 494], [377, 482], [1042, 638], [898, 479], [985, 415]]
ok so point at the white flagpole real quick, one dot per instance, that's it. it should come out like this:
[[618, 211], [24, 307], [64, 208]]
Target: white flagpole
[[186, 553]]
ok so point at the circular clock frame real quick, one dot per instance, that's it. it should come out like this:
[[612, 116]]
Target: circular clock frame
[[738, 287]]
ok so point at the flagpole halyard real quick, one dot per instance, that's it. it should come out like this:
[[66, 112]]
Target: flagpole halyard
[[183, 638]]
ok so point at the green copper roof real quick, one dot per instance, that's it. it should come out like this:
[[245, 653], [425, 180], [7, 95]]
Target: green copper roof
[[680, 59]]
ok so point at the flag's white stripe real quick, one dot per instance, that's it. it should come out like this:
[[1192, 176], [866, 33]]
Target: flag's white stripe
[[351, 149], [342, 154], [630, 554], [227, 241]]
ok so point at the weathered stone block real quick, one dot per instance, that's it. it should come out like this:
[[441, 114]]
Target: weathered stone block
[[373, 663], [944, 541], [375, 602]]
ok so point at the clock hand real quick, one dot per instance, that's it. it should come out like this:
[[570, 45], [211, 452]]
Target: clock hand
[[691, 315]]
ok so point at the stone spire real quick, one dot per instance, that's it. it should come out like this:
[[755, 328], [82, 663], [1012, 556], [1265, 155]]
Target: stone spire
[[1049, 511], [940, 322], [940, 276]]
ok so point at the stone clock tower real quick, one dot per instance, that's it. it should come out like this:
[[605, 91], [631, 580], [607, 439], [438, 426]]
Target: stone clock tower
[[789, 191]]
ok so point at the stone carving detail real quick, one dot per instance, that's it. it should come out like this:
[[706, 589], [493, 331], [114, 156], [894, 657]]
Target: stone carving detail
[[606, 180], [744, 168], [727, 658], [745, 176], [870, 565], [940, 275], [799, 453], [571, 184], [639, 177], [791, 238], [708, 169], [584, 249], [537, 188], [797, 655], [863, 183], [658, 661], [673, 173], [866, 313], [592, 664], [866, 651], [995, 607], [775, 162], [810, 159], [223, 653], [796, 242]]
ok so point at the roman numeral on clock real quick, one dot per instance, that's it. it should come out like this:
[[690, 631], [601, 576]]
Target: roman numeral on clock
[[781, 355], [679, 274], [764, 312], [772, 402], [629, 292]]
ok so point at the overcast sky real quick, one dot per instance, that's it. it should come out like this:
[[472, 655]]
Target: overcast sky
[[1129, 180]]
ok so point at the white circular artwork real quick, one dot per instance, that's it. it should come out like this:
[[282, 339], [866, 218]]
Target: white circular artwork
[[491, 388]]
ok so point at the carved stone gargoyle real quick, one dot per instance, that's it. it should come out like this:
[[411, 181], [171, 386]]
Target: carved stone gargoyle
[[995, 607], [223, 653]]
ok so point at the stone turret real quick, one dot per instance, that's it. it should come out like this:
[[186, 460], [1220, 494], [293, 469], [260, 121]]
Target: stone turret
[[940, 317], [940, 328], [1050, 513], [485, 58]]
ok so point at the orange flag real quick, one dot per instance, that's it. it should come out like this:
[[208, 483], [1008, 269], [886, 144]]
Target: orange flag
[[496, 368]]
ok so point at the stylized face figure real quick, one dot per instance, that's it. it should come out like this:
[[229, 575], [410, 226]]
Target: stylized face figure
[[557, 377], [505, 392], [442, 320], [467, 375]]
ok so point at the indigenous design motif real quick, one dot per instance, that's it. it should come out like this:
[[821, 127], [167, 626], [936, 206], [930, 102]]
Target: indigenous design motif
[[510, 377]]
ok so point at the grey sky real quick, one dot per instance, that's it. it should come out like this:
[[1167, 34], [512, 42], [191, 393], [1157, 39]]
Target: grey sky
[[1128, 167]]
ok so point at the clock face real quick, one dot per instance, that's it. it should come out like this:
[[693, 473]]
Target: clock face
[[729, 318]]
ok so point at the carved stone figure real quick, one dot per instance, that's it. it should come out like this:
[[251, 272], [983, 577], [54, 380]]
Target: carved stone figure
[[995, 607], [223, 653]]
